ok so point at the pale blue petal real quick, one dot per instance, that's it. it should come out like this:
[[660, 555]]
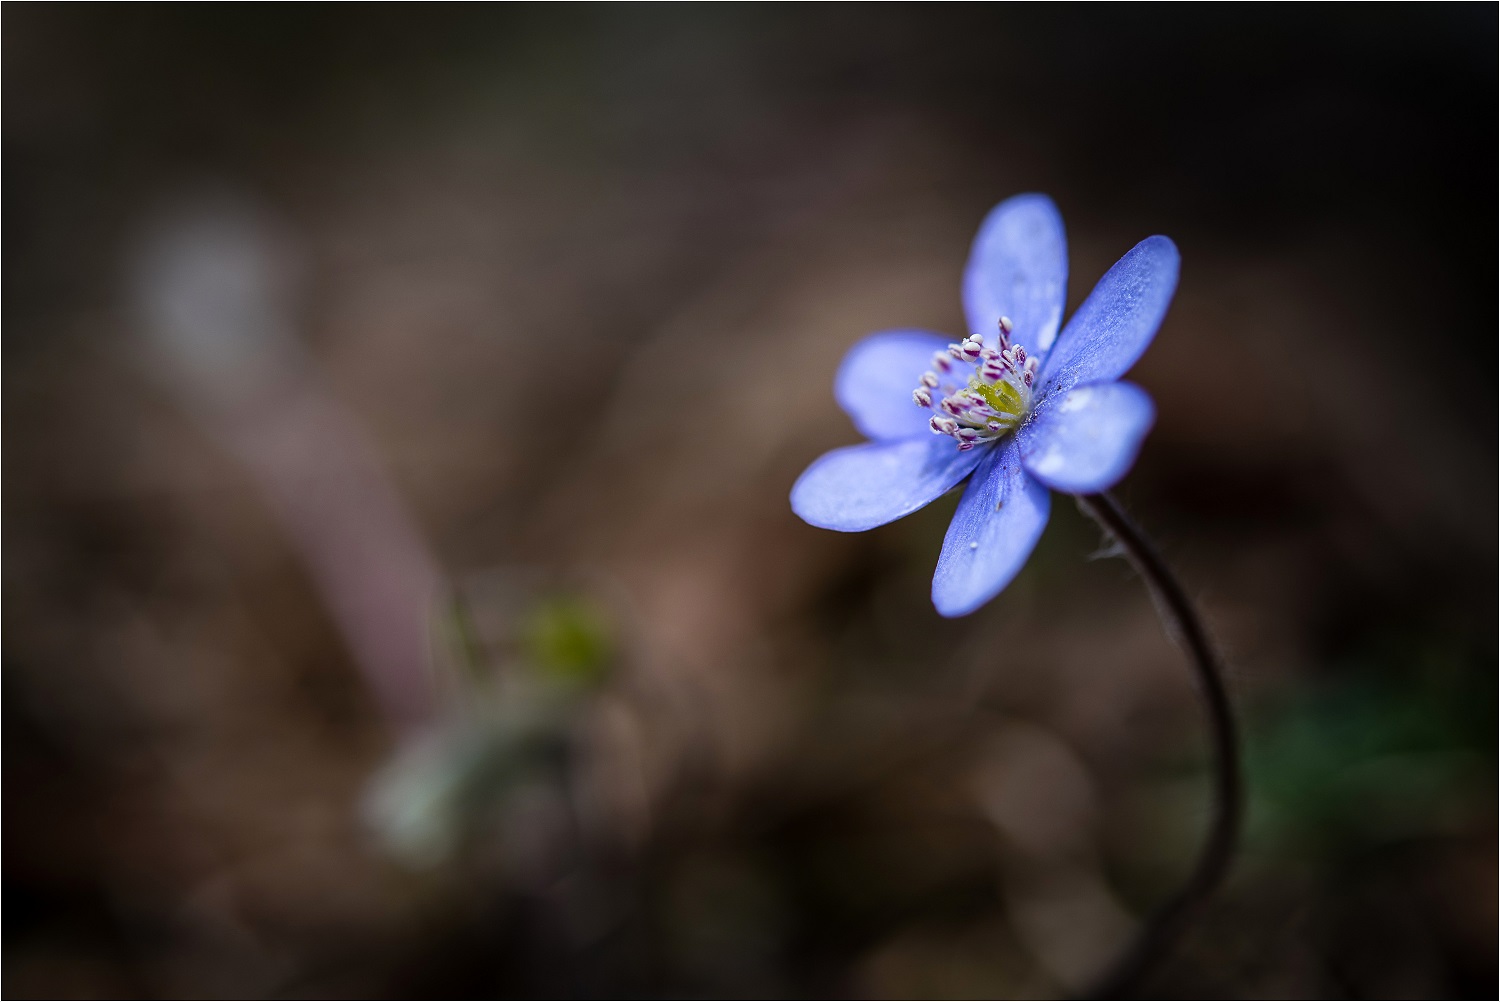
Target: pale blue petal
[[1018, 268], [1116, 322], [862, 486], [876, 378], [1000, 518], [1087, 440]]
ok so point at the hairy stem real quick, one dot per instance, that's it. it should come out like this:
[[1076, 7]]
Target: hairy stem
[[1185, 626]]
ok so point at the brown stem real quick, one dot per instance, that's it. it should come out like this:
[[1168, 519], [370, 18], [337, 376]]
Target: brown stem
[[1183, 623]]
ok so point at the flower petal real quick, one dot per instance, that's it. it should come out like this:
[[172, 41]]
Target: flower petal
[[1089, 438], [998, 521], [875, 381], [1117, 321], [1018, 268], [862, 486]]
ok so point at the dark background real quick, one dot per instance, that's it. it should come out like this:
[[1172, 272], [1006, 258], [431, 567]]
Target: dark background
[[580, 278]]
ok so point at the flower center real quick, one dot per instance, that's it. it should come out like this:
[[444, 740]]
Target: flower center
[[979, 393]]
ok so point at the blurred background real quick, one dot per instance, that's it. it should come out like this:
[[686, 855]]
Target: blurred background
[[401, 596]]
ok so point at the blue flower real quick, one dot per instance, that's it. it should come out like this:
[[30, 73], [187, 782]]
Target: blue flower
[[1020, 406]]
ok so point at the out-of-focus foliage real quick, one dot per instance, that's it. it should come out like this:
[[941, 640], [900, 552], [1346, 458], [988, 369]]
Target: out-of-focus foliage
[[568, 640], [1385, 756]]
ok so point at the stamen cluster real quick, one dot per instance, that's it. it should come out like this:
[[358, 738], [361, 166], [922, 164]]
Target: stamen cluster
[[980, 393]]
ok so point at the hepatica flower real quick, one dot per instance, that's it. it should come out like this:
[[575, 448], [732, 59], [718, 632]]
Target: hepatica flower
[[1021, 407], [1017, 407]]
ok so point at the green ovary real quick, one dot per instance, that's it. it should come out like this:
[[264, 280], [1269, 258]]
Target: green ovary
[[1003, 397]]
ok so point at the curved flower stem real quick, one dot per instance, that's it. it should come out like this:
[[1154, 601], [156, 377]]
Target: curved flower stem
[[1186, 627]]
